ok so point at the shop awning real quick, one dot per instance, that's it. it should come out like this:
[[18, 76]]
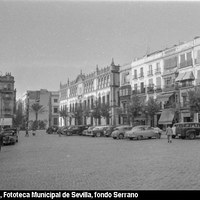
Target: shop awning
[[164, 97], [180, 76], [166, 117], [185, 76], [188, 76]]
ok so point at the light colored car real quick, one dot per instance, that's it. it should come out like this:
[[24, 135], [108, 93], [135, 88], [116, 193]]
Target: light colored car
[[143, 131], [86, 132], [97, 131], [119, 132]]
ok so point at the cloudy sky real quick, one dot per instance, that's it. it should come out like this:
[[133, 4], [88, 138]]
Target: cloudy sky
[[42, 43]]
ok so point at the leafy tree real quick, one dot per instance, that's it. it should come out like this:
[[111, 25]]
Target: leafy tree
[[18, 120], [105, 111], [37, 109], [135, 107], [152, 107], [64, 114], [96, 111], [78, 115], [86, 112], [194, 100]]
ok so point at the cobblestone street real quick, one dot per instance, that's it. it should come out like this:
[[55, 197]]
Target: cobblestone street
[[50, 162]]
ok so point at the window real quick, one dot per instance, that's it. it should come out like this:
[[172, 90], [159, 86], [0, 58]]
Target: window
[[151, 82], [55, 110], [55, 121], [158, 82], [150, 70], [135, 74], [141, 72], [55, 100], [135, 87], [157, 67], [170, 63]]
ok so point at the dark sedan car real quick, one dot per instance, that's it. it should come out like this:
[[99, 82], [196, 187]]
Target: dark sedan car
[[78, 129], [10, 136]]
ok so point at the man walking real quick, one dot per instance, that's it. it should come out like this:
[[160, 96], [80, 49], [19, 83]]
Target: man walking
[[169, 133]]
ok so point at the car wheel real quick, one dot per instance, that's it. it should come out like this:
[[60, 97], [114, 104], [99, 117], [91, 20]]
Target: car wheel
[[192, 136], [139, 137], [98, 134], [114, 138], [173, 136], [121, 136], [131, 138]]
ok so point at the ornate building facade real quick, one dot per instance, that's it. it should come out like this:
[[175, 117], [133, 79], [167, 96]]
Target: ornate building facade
[[167, 76], [100, 86], [8, 99]]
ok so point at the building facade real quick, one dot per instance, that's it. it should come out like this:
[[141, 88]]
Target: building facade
[[167, 75], [8, 100], [54, 109], [100, 86], [48, 115]]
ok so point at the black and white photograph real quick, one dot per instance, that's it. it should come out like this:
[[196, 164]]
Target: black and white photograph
[[99, 96]]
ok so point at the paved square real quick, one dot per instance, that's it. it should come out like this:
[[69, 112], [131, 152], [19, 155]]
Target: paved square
[[50, 162]]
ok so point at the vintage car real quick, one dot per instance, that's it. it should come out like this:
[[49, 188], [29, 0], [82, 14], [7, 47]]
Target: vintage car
[[77, 129], [97, 131], [10, 136], [108, 131], [119, 131], [142, 131], [85, 132], [186, 130]]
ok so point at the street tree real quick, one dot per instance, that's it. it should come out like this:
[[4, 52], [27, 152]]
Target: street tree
[[78, 115], [194, 100], [105, 111], [64, 114], [135, 107], [96, 111], [151, 108], [37, 109]]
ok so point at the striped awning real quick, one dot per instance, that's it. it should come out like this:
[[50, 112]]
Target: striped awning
[[185, 76], [166, 117], [164, 97]]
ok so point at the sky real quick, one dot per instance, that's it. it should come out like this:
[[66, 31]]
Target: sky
[[43, 43]]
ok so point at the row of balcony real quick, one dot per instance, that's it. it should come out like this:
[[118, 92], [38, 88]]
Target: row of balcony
[[166, 88], [149, 73]]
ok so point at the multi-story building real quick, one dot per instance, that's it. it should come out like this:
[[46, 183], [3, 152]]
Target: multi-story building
[[8, 100], [167, 76], [99, 86], [54, 109], [49, 101], [125, 92]]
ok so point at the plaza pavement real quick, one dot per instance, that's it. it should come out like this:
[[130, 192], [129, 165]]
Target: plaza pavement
[[50, 162]]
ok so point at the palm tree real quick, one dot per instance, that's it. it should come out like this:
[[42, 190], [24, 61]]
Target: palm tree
[[37, 109]]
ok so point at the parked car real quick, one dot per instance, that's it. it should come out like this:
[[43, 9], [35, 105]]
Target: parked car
[[10, 136], [97, 131], [119, 131], [160, 131], [52, 129], [142, 131], [62, 130], [108, 131], [78, 129], [85, 132], [186, 130]]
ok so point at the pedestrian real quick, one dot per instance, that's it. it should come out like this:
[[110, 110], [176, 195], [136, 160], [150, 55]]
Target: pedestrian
[[169, 133], [1, 140]]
